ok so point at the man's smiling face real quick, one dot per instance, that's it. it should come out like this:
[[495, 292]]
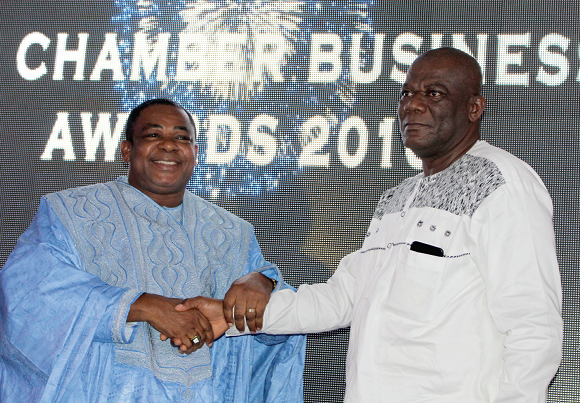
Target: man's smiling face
[[163, 153]]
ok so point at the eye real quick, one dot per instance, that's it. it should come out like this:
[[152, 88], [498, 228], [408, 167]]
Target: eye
[[434, 93], [184, 137], [405, 93]]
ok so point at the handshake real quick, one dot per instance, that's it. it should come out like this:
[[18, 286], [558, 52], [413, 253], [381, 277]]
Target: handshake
[[209, 318]]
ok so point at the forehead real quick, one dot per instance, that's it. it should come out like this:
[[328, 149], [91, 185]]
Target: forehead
[[436, 71], [163, 115]]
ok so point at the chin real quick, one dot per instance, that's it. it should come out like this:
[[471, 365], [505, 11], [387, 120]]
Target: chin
[[413, 145], [420, 152], [419, 145]]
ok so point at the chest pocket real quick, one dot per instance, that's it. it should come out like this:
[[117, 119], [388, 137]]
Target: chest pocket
[[414, 286]]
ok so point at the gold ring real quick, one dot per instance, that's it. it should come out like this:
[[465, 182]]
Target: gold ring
[[195, 339], [250, 310]]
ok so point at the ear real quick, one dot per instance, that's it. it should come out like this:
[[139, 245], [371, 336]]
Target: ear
[[126, 147], [195, 154], [476, 107]]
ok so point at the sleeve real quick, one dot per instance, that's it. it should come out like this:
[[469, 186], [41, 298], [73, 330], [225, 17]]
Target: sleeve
[[313, 308], [51, 310], [256, 262], [266, 368], [516, 255]]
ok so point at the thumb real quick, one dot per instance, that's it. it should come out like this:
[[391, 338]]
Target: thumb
[[187, 304]]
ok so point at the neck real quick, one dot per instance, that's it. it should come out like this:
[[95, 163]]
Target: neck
[[168, 200], [164, 200], [433, 165]]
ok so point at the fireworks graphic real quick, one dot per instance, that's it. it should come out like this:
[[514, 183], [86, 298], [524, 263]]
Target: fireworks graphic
[[240, 59], [254, 25]]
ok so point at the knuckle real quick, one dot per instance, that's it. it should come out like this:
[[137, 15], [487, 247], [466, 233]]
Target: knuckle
[[228, 303]]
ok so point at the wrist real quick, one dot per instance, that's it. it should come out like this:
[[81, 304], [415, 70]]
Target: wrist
[[138, 311], [148, 306]]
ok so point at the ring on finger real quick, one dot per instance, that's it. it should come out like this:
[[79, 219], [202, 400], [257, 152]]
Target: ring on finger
[[195, 339], [251, 310]]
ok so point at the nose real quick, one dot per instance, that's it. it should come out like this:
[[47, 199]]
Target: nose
[[168, 144], [413, 103]]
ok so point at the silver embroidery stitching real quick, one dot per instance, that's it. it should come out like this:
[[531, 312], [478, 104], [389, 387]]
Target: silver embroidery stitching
[[115, 253], [119, 322], [459, 189]]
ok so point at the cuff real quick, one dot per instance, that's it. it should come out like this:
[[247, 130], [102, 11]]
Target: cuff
[[122, 331], [273, 273]]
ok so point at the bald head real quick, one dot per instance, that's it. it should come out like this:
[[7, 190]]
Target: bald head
[[465, 66]]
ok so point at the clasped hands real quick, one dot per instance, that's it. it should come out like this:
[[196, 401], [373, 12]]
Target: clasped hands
[[243, 305]]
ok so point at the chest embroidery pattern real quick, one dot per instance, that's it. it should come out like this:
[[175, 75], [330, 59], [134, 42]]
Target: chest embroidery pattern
[[460, 189]]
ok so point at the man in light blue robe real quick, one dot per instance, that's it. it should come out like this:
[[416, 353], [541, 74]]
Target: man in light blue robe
[[76, 321]]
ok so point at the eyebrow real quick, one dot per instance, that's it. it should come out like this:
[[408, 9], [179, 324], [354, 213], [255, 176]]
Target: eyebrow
[[428, 85], [157, 126], [436, 84]]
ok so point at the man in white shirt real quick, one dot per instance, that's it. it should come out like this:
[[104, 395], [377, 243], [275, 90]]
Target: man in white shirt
[[455, 295]]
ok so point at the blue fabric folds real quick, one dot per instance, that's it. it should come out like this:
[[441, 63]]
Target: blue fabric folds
[[58, 341]]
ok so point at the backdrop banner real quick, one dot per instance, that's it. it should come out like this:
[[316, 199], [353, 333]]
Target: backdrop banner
[[296, 108]]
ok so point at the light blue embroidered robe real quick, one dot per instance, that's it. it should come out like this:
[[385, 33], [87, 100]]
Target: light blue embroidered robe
[[66, 289]]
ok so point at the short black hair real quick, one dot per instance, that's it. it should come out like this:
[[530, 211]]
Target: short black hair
[[157, 101]]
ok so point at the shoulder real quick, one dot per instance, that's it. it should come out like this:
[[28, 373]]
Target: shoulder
[[522, 186], [78, 192], [85, 201], [511, 168]]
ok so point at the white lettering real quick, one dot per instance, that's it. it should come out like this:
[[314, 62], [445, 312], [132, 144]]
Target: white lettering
[[557, 60], [314, 137], [359, 76], [325, 63], [506, 58], [386, 134], [191, 59], [60, 139], [63, 55], [264, 146], [357, 125], [269, 57], [230, 66], [102, 132], [108, 59], [412, 159], [33, 38], [223, 139], [436, 41], [149, 56], [402, 56]]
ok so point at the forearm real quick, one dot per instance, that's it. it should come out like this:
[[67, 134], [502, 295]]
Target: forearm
[[313, 308], [149, 306]]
